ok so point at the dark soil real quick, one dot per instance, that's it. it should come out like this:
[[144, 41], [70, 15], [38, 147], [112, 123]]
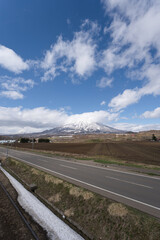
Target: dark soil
[[11, 225], [138, 152]]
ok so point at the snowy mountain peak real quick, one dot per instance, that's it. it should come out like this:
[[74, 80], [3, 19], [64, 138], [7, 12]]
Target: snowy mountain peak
[[81, 127]]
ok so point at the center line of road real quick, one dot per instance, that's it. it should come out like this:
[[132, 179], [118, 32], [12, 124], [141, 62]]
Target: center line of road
[[67, 166], [141, 185]]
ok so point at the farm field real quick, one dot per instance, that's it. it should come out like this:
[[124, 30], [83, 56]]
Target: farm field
[[138, 152]]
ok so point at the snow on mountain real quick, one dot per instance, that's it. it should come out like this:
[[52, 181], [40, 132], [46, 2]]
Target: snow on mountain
[[81, 128]]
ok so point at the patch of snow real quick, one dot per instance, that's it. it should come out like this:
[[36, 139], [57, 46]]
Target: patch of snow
[[56, 228], [88, 127], [82, 127]]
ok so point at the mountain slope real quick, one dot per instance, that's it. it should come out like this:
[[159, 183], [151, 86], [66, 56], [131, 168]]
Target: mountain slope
[[81, 128]]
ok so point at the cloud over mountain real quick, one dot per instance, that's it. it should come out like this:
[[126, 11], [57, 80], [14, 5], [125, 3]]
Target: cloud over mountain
[[19, 120]]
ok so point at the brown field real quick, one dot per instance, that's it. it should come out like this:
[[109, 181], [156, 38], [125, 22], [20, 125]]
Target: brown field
[[130, 151]]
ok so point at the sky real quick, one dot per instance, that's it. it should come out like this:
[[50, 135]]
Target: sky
[[85, 60]]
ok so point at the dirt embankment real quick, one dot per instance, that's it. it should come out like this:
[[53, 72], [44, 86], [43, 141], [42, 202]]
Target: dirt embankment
[[139, 152]]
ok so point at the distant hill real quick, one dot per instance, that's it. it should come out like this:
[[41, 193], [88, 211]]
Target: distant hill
[[81, 128]]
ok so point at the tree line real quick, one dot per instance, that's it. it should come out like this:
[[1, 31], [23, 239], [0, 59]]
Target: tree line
[[30, 140]]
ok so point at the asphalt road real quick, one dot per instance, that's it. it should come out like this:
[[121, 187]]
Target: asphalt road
[[136, 190]]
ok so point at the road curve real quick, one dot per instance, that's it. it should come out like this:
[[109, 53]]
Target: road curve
[[136, 190]]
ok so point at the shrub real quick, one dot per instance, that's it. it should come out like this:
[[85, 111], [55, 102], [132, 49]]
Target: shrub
[[46, 140]]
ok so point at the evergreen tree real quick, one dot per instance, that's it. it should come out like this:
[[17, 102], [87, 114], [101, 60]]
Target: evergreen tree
[[154, 137]]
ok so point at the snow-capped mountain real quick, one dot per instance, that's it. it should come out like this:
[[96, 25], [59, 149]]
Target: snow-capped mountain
[[81, 128]]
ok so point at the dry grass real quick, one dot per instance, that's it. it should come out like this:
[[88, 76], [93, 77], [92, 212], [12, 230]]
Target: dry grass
[[2, 159], [49, 178], [87, 195], [69, 212], [15, 162], [35, 171], [55, 198], [76, 191], [67, 185], [117, 209]]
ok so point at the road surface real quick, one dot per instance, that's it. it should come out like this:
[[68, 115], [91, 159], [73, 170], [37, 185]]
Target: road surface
[[136, 190]]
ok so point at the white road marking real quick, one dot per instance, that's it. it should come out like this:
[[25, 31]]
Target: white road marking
[[88, 184], [87, 165], [68, 167], [141, 185]]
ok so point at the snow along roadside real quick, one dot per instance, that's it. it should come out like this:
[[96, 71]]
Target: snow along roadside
[[56, 228]]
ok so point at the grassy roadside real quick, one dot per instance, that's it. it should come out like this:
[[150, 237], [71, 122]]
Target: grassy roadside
[[123, 163], [100, 217]]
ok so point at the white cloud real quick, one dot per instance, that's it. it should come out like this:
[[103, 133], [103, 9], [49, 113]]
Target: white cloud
[[126, 98], [12, 95], [104, 82], [135, 46], [92, 117], [152, 73], [18, 120], [103, 103], [22, 120], [136, 127], [131, 96], [13, 87], [131, 9], [152, 114], [11, 61], [76, 56]]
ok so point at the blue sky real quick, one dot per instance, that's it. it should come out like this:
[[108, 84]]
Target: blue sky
[[86, 60]]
